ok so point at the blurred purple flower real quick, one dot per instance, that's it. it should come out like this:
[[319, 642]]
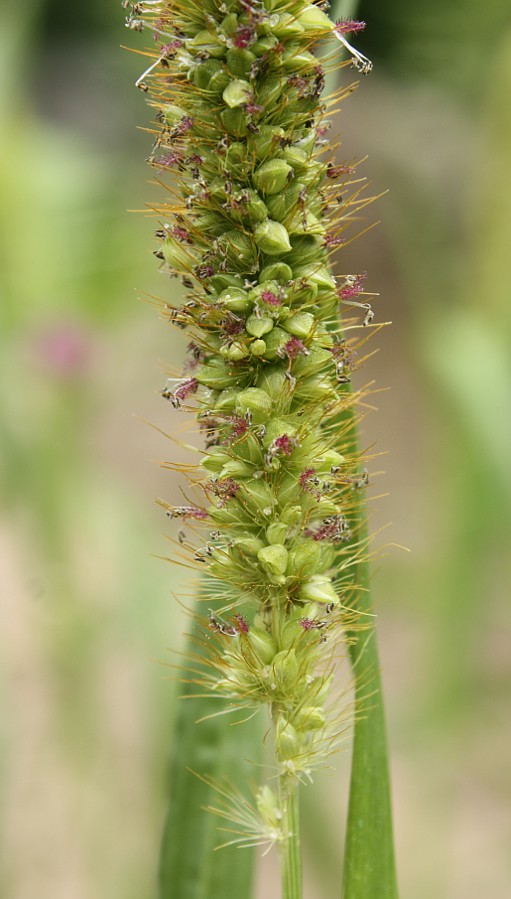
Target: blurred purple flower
[[64, 349]]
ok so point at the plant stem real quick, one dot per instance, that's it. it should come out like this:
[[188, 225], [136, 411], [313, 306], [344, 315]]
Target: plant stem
[[291, 856]]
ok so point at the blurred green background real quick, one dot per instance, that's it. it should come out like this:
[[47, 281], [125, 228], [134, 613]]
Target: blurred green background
[[87, 611]]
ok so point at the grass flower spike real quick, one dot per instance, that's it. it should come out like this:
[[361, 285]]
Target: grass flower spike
[[254, 209]]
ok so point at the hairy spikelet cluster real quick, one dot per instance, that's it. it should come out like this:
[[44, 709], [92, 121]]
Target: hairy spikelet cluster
[[255, 208]]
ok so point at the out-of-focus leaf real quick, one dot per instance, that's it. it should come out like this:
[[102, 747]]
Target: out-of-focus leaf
[[470, 359]]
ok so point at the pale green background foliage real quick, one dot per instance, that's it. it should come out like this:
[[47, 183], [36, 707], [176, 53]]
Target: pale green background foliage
[[86, 613]]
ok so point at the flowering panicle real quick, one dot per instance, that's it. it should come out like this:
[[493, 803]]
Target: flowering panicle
[[255, 210]]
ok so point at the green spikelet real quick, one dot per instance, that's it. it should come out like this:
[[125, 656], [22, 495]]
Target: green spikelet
[[256, 209]]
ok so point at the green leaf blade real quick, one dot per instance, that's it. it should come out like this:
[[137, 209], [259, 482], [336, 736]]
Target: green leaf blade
[[213, 749]]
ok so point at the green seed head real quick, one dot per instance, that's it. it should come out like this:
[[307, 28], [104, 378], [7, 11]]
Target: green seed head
[[274, 561], [236, 93], [262, 644], [258, 326], [258, 348], [273, 176], [277, 271], [253, 213], [276, 532], [254, 402], [272, 238], [266, 140], [318, 588], [285, 671], [310, 718], [287, 740], [235, 299], [313, 20], [239, 62], [300, 325], [207, 42], [268, 807], [304, 559]]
